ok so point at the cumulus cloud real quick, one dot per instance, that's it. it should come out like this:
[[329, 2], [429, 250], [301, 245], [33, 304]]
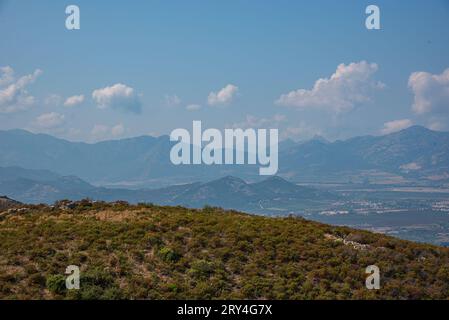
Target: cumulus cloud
[[6, 75], [13, 91], [193, 107], [117, 96], [350, 85], [224, 96], [74, 100], [396, 125], [100, 131], [431, 91], [50, 120]]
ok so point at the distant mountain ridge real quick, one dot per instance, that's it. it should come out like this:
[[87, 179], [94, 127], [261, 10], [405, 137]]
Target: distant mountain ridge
[[228, 192], [232, 192], [415, 153], [137, 159]]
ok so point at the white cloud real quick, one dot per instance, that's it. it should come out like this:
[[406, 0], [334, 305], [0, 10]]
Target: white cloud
[[412, 166], [13, 92], [6, 75], [100, 131], [172, 100], [348, 86], [437, 125], [117, 96], [118, 130], [224, 96], [431, 91], [74, 100], [396, 125], [49, 120], [193, 107]]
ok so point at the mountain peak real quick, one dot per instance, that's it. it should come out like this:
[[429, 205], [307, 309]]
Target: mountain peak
[[414, 132], [417, 129], [231, 180], [276, 179]]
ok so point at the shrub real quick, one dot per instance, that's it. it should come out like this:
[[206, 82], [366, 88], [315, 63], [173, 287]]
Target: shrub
[[56, 284], [169, 255], [201, 269]]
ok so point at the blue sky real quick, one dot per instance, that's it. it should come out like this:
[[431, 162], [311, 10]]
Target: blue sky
[[158, 65]]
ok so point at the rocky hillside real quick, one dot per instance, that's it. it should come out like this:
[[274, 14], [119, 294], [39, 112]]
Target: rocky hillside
[[6, 203], [150, 252]]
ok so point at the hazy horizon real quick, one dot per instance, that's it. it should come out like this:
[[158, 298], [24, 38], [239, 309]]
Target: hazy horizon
[[167, 135]]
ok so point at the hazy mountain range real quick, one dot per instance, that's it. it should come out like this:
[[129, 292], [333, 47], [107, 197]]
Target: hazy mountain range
[[33, 186], [415, 153], [37, 168]]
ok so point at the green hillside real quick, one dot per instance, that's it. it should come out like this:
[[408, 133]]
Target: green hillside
[[150, 252]]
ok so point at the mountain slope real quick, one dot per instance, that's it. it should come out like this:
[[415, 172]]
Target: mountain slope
[[33, 186], [42, 186], [149, 252], [6, 203], [231, 192], [133, 160], [415, 153]]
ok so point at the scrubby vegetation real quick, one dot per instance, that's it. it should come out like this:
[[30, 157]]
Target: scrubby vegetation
[[150, 252]]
